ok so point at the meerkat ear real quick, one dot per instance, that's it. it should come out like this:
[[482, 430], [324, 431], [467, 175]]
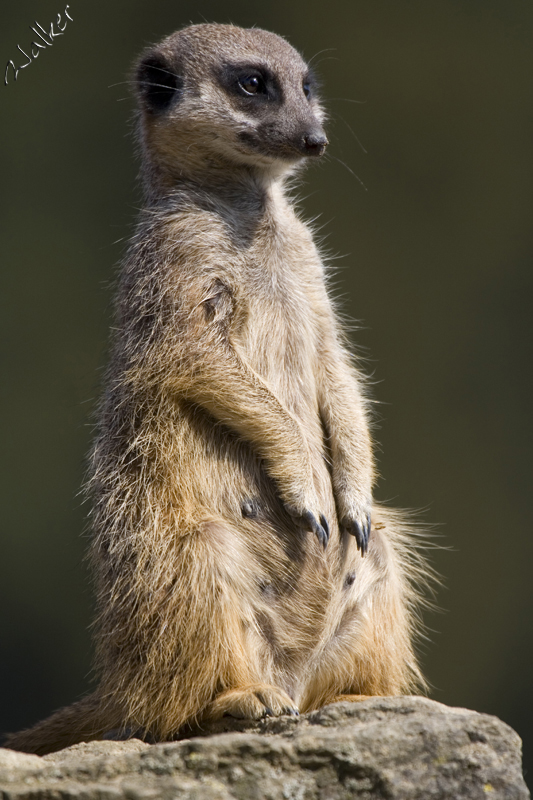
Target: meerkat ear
[[157, 82]]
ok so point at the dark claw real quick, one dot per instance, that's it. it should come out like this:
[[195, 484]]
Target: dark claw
[[324, 523], [310, 523], [368, 525], [321, 531], [360, 532], [359, 536], [291, 712], [268, 712]]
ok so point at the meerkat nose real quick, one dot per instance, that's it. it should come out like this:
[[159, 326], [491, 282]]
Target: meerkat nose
[[315, 142]]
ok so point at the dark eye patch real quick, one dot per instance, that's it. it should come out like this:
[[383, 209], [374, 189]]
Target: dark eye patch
[[158, 84], [253, 83]]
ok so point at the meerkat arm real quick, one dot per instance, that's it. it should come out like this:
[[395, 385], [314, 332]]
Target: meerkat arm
[[210, 372], [344, 415], [234, 394], [230, 390]]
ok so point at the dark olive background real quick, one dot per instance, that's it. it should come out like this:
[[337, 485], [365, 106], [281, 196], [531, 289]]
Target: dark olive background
[[435, 261]]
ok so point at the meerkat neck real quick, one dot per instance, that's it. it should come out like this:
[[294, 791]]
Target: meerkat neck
[[233, 186]]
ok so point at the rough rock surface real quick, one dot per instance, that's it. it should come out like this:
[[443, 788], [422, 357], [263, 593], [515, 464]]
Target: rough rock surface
[[386, 748]]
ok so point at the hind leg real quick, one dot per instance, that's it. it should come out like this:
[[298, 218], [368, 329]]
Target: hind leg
[[368, 650], [196, 652]]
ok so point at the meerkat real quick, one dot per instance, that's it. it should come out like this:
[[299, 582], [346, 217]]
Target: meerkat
[[241, 565]]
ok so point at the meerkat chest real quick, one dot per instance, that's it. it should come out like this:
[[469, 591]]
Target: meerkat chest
[[279, 336]]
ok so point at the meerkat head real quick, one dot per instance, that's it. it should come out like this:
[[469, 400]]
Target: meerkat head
[[213, 96]]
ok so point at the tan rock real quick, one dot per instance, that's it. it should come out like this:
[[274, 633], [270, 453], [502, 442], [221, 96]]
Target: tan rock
[[404, 748]]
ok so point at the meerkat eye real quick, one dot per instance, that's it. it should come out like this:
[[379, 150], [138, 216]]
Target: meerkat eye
[[307, 89], [252, 84], [255, 83]]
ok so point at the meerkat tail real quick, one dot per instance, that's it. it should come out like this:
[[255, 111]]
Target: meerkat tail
[[82, 721]]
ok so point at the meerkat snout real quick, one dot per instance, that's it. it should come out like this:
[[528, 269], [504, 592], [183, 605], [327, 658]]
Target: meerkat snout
[[315, 142]]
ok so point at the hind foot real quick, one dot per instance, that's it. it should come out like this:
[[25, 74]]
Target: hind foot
[[252, 702]]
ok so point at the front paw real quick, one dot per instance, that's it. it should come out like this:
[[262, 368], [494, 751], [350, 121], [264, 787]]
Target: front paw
[[357, 522], [251, 702], [317, 523]]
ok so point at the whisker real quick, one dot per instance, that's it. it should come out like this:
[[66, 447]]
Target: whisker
[[162, 69], [142, 83], [328, 58], [150, 83], [348, 100], [365, 151], [325, 50], [349, 170]]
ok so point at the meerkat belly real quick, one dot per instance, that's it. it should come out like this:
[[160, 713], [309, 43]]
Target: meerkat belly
[[292, 586]]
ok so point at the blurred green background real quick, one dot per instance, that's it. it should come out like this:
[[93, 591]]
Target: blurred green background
[[435, 256]]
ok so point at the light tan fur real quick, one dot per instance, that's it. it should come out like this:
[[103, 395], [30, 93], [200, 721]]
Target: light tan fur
[[233, 431]]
